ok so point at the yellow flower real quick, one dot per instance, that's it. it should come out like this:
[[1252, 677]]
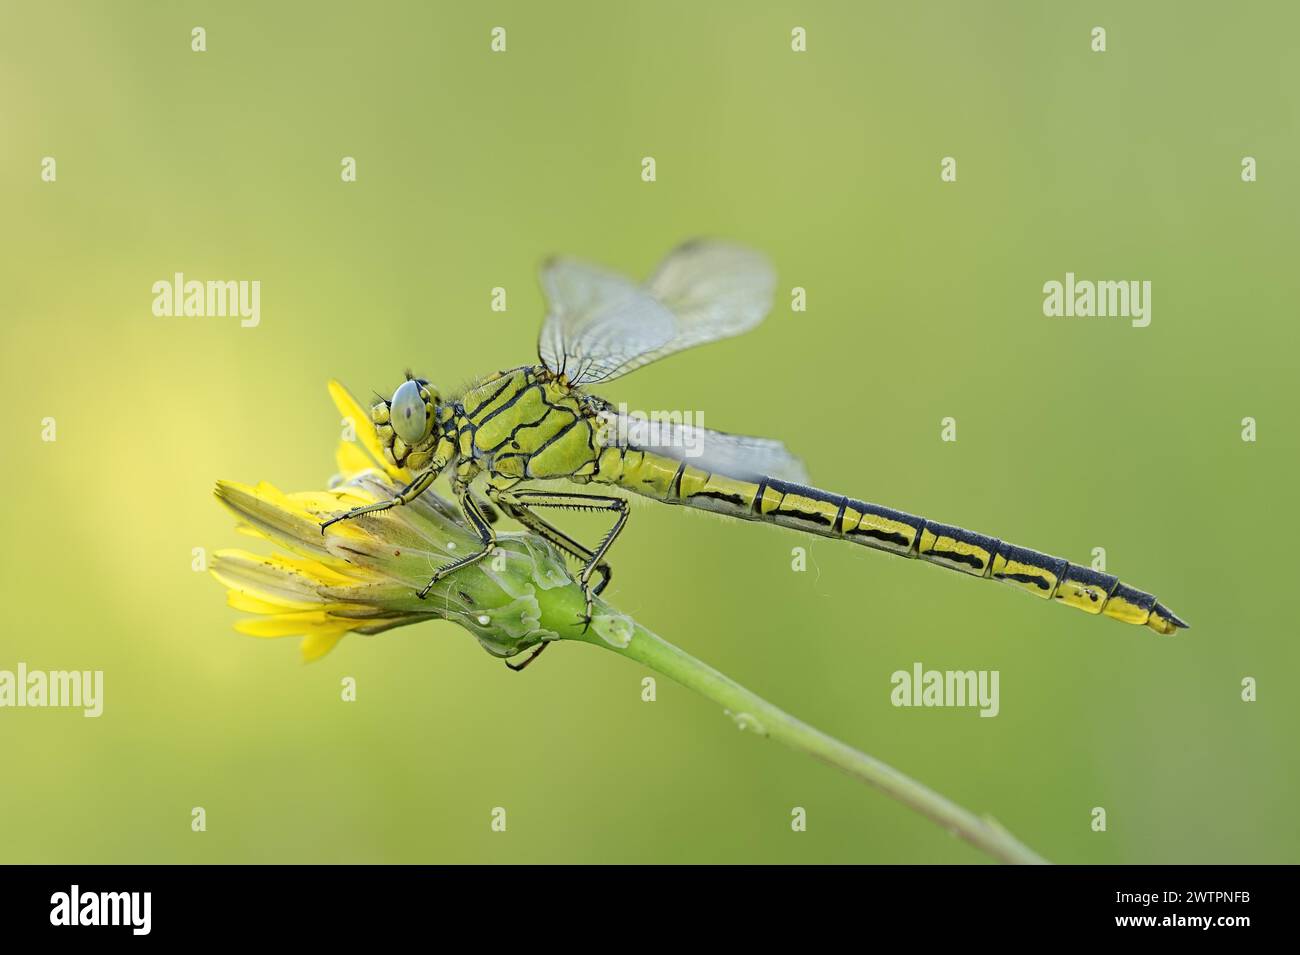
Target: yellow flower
[[361, 575]]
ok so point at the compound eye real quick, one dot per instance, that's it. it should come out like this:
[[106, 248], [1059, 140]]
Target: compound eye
[[408, 414]]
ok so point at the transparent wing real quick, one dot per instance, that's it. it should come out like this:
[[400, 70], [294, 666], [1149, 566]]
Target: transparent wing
[[601, 325], [598, 321], [734, 455]]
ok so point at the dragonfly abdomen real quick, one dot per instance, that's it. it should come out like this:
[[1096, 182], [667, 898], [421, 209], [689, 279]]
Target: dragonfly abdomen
[[826, 514]]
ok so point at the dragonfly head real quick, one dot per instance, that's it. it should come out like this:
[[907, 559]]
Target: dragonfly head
[[407, 424]]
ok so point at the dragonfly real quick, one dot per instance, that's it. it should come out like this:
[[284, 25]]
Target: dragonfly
[[540, 440]]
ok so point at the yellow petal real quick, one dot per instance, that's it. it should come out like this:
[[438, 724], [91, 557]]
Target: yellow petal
[[292, 521], [247, 603], [303, 623], [319, 572], [310, 505], [317, 645], [320, 632], [364, 428], [296, 577], [351, 460]]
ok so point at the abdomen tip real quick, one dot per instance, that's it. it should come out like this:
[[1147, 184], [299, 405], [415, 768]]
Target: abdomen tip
[[1164, 620]]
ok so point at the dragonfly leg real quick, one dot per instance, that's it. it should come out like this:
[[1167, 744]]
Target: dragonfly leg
[[550, 532], [594, 559], [478, 522], [490, 513], [406, 495], [533, 656]]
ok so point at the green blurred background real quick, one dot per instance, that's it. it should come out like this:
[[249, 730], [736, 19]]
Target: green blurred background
[[924, 301]]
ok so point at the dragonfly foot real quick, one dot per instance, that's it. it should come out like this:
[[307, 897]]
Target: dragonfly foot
[[333, 520], [535, 654], [442, 573], [585, 617], [358, 511], [606, 575]]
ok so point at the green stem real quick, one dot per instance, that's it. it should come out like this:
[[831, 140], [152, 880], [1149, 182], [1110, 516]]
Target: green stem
[[753, 712], [427, 527]]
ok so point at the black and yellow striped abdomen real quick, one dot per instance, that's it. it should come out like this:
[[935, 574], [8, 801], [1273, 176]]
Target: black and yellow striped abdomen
[[833, 515]]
